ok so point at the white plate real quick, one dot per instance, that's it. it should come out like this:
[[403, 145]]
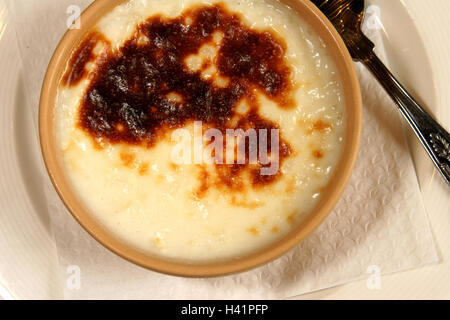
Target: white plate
[[28, 265], [28, 261], [416, 40]]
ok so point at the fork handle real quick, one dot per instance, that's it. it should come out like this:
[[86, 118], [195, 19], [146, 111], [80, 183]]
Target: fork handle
[[433, 136]]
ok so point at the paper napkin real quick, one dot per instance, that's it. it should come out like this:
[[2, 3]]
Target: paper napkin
[[379, 224]]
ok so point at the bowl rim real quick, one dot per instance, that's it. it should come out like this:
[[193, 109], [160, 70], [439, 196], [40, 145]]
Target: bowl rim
[[323, 27]]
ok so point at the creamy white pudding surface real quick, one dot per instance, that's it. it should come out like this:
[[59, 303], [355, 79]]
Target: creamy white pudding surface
[[150, 67]]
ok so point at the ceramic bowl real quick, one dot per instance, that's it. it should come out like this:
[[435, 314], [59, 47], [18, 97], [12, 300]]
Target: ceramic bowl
[[332, 192]]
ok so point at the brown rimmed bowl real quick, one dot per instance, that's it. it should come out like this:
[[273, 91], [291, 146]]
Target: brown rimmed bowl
[[338, 52]]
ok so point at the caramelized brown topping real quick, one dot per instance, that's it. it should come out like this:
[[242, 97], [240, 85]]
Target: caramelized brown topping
[[253, 231], [139, 93], [143, 169], [291, 218], [204, 183], [318, 154], [319, 126], [275, 229], [127, 159], [80, 58]]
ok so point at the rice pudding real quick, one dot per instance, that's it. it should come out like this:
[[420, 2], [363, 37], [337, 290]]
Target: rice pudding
[[157, 87]]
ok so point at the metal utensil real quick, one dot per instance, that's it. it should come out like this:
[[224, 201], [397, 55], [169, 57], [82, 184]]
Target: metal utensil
[[347, 16]]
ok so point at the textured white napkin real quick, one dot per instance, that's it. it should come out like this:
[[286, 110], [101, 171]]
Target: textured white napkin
[[380, 223]]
